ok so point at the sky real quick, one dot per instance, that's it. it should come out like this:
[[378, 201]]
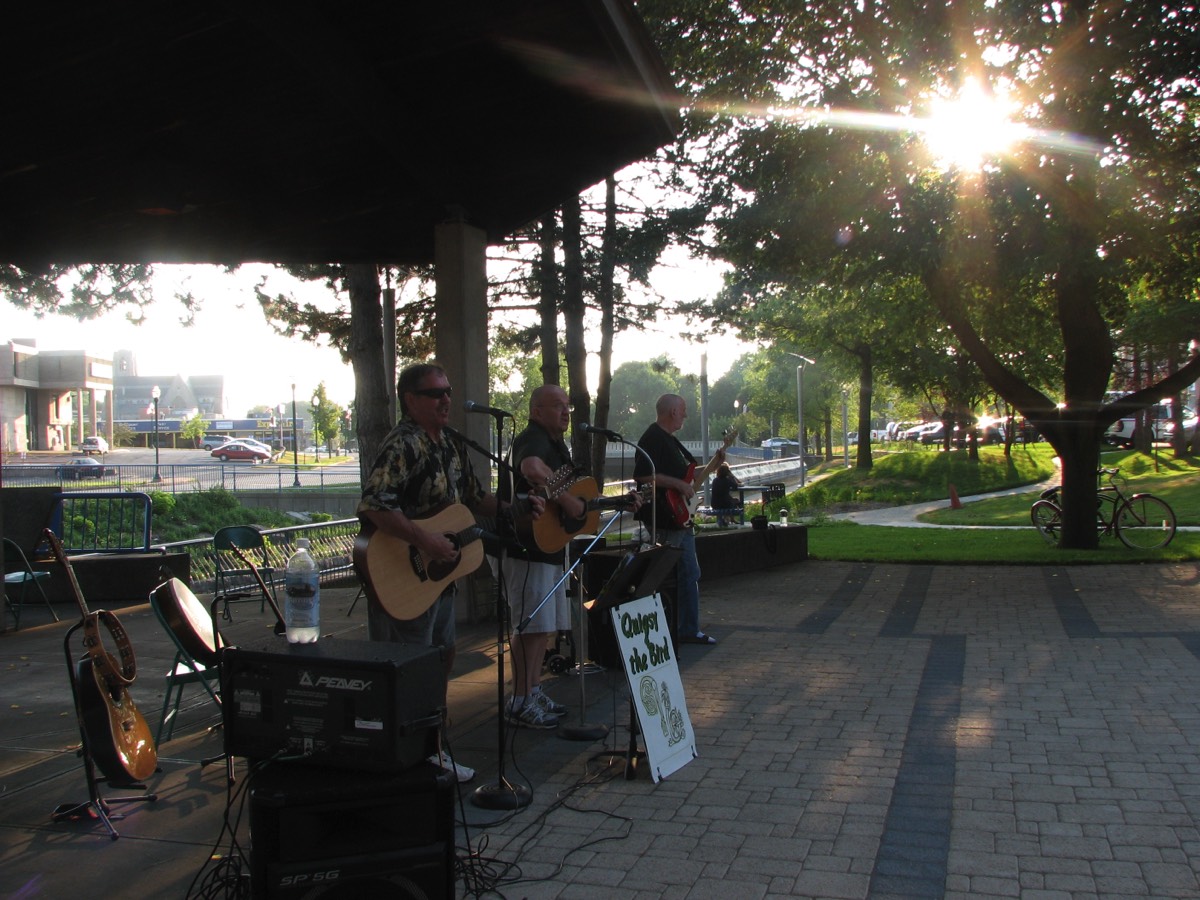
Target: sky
[[230, 337]]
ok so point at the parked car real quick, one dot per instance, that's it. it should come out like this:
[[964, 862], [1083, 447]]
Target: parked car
[[240, 450], [213, 441], [254, 442], [934, 433], [1120, 433], [93, 444], [778, 443], [83, 468], [914, 432]]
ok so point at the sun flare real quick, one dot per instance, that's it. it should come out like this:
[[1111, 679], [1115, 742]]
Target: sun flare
[[972, 128]]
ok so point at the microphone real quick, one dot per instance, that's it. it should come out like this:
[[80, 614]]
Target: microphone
[[472, 406], [585, 428]]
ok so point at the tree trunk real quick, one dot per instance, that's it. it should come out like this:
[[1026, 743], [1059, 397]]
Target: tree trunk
[[1078, 447], [367, 357], [866, 391], [548, 294], [605, 299], [573, 311]]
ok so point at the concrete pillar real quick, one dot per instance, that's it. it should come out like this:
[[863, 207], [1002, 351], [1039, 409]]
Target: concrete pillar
[[461, 306], [462, 350]]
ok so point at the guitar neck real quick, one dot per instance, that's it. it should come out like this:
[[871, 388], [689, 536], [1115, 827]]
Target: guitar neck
[[60, 555], [698, 480]]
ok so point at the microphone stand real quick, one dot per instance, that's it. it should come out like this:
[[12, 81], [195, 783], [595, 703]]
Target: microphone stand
[[592, 731], [501, 793], [584, 731]]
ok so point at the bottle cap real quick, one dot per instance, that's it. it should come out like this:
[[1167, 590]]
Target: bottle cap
[[302, 543]]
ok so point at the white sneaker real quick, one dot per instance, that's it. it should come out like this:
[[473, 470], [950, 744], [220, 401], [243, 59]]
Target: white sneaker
[[542, 699], [462, 773], [530, 715]]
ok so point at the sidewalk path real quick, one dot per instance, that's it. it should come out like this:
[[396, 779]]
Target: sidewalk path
[[907, 516]]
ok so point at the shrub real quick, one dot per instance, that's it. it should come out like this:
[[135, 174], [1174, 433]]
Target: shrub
[[162, 503], [201, 513]]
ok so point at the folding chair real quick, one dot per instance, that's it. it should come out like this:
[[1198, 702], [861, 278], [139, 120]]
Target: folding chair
[[18, 573], [234, 580], [197, 648]]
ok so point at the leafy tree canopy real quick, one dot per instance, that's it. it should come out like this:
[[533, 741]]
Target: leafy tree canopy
[[827, 174]]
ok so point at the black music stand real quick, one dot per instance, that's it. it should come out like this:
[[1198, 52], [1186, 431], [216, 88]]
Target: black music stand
[[638, 575]]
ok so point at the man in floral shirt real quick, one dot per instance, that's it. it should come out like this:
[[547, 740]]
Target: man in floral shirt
[[419, 469]]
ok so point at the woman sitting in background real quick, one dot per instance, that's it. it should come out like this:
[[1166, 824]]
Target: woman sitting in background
[[723, 485]]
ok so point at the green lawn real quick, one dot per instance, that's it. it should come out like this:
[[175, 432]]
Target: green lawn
[[926, 476]]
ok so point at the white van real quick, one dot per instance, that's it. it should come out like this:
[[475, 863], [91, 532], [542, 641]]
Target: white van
[[1120, 433], [93, 444]]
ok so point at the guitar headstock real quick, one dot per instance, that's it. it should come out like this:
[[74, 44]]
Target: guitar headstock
[[558, 482], [729, 437]]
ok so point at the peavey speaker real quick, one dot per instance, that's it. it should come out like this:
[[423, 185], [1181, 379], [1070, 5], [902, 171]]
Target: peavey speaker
[[337, 835], [363, 705]]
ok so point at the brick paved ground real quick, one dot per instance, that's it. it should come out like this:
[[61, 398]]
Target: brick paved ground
[[862, 731]]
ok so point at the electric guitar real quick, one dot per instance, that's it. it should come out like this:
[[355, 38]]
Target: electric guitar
[[681, 509], [116, 735], [397, 576], [554, 529]]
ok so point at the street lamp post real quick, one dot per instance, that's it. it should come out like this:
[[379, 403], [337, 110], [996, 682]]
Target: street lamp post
[[295, 443], [800, 409], [155, 393], [313, 407]]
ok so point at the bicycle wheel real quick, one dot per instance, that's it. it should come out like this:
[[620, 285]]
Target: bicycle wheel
[[1145, 523], [1047, 519]]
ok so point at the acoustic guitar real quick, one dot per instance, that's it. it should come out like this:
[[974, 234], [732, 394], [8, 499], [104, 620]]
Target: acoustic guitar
[[115, 733], [554, 529], [682, 509], [397, 576]]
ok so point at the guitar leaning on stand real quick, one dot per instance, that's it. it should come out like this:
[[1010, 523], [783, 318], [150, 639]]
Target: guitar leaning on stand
[[682, 509], [116, 738]]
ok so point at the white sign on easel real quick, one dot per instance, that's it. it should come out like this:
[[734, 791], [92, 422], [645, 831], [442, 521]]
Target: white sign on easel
[[641, 630]]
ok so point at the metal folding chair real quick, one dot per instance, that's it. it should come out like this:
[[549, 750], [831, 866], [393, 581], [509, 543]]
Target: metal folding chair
[[18, 576], [234, 580], [197, 649]]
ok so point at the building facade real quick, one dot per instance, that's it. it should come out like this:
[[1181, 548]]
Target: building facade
[[53, 399]]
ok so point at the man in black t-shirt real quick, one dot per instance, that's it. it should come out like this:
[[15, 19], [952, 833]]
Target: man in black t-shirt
[[671, 476], [530, 574]]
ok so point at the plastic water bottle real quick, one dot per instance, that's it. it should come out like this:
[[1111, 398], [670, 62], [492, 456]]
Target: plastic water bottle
[[783, 516], [302, 605]]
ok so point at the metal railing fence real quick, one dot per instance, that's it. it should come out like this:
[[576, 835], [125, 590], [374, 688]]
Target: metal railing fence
[[176, 479], [330, 543]]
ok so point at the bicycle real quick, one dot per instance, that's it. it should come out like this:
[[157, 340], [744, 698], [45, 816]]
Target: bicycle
[[1140, 521]]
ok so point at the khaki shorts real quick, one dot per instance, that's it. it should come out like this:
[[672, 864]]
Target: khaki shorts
[[526, 583]]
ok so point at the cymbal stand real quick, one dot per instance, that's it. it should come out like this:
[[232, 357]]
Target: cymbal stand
[[95, 804]]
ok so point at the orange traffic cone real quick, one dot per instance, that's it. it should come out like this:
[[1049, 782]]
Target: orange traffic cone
[[955, 503]]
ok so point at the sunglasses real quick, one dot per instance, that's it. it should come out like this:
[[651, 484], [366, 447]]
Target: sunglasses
[[434, 393]]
